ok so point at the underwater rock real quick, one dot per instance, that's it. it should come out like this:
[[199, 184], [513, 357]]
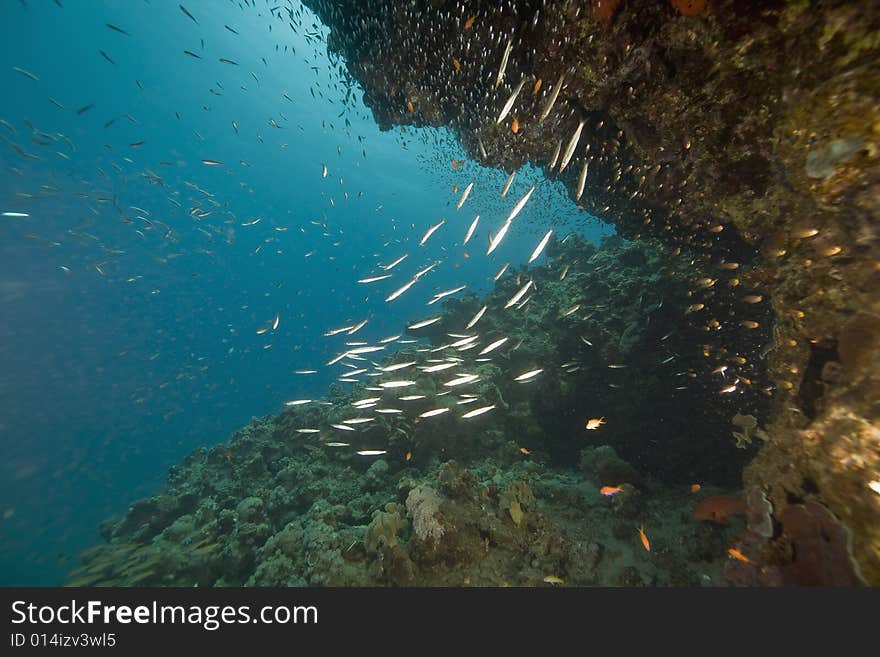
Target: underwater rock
[[821, 548], [603, 465]]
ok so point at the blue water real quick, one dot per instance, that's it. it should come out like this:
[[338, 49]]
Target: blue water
[[126, 342]]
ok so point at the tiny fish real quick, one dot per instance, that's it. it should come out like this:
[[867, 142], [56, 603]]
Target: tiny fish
[[396, 262], [478, 411], [510, 101], [471, 229], [551, 101], [572, 144], [504, 59], [519, 295], [397, 384], [492, 347], [373, 279], [424, 323], [397, 366], [644, 538], [431, 231], [541, 245], [739, 556], [438, 368], [464, 195], [117, 29], [26, 73], [185, 11], [476, 318], [527, 376], [582, 181], [507, 184], [436, 411]]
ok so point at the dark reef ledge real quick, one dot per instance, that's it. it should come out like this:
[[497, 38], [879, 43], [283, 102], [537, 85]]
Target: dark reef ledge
[[738, 128]]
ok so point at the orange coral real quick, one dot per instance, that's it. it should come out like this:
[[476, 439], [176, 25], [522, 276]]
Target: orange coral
[[691, 7], [717, 508]]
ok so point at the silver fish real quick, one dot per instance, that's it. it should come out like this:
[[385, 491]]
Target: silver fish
[[510, 101], [541, 245], [508, 184], [504, 59], [471, 230], [582, 179], [552, 100], [572, 144], [519, 295], [464, 195]]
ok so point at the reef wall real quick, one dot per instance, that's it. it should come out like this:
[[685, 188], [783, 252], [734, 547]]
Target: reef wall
[[743, 132]]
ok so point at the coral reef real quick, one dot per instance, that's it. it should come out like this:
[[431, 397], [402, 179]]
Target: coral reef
[[493, 500], [737, 142], [747, 132]]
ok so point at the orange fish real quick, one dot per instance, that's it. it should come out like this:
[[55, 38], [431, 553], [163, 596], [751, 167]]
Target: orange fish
[[469, 23], [695, 488], [644, 538], [717, 508], [464, 254], [524, 450], [455, 164], [456, 64], [410, 107], [408, 456], [608, 491], [537, 87], [514, 125], [739, 556], [594, 423], [454, 189]]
